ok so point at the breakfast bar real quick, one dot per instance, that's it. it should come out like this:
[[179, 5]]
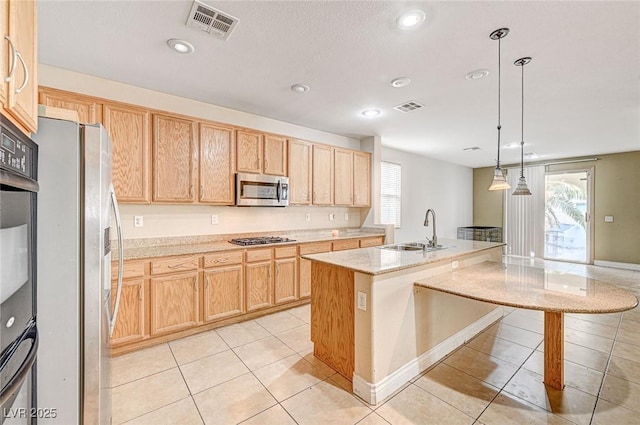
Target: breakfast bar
[[536, 288]]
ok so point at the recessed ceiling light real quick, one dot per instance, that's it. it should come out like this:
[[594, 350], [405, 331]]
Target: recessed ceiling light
[[474, 148], [410, 19], [300, 88], [400, 82], [371, 112], [180, 46], [477, 74]]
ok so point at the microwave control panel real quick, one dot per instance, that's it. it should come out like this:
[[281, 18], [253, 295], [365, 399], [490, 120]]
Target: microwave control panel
[[15, 155]]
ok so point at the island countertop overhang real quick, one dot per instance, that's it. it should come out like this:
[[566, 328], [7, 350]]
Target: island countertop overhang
[[376, 261]]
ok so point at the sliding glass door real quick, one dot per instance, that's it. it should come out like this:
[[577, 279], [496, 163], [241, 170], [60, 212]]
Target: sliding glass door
[[567, 213]]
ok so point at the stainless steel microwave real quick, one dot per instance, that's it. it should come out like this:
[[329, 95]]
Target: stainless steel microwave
[[259, 190]]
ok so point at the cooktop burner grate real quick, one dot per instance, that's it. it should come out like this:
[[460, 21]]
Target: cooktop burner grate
[[260, 240]]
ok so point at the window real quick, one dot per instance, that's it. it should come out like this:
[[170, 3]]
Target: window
[[390, 193]]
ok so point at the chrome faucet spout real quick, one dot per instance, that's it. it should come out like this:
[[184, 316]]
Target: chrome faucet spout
[[434, 239]]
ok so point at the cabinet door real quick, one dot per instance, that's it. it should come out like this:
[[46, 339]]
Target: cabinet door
[[223, 292], [343, 177], [174, 302], [259, 285], [285, 280], [248, 151], [174, 159], [23, 86], [216, 164], [130, 321], [304, 277], [89, 111], [130, 132], [299, 172], [361, 179], [275, 155], [322, 175]]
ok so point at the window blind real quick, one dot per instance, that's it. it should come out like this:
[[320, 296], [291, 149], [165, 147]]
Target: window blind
[[390, 190]]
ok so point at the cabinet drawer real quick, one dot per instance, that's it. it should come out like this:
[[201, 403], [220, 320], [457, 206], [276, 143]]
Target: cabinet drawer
[[378, 240], [222, 259], [258, 255], [314, 248], [177, 264], [131, 269], [346, 244], [285, 251]]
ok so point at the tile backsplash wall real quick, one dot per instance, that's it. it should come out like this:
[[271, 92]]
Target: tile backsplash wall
[[190, 220]]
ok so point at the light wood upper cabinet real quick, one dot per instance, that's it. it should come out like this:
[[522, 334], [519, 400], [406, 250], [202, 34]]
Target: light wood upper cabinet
[[130, 131], [217, 159], [174, 302], [248, 151], [275, 155], [299, 172], [19, 63], [175, 154], [89, 109], [343, 176], [322, 177], [361, 179]]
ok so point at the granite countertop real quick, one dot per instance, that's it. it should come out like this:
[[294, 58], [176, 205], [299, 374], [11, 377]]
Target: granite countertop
[[376, 261], [164, 247], [534, 288]]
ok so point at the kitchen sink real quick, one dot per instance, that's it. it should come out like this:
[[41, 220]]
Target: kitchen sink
[[412, 246]]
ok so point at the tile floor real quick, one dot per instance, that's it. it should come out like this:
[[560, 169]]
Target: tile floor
[[263, 372]]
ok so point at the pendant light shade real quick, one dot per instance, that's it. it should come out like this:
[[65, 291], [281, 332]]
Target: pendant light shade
[[521, 188], [499, 182]]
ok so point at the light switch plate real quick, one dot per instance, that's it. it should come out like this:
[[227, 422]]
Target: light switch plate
[[307, 217], [332, 216], [608, 219], [138, 221], [346, 216], [362, 301]]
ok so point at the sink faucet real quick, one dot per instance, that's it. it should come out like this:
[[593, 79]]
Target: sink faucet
[[434, 239]]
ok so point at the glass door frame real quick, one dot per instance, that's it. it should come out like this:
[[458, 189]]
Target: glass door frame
[[590, 224]]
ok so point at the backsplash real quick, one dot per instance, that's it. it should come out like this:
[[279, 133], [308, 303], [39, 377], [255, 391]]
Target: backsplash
[[194, 220]]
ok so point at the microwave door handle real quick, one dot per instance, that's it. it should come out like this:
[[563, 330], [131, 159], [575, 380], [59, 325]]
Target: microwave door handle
[[116, 306], [15, 382], [278, 191]]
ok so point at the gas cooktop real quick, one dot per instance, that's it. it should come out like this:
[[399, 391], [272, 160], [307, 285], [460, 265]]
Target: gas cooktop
[[260, 240]]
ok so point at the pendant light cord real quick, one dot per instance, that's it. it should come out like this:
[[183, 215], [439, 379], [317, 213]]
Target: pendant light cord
[[499, 126], [522, 127]]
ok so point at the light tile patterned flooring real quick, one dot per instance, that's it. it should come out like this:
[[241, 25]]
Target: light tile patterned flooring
[[263, 372]]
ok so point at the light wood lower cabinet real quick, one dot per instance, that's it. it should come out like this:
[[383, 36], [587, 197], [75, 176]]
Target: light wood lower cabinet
[[130, 322], [223, 292], [259, 285], [304, 265], [174, 302], [285, 279]]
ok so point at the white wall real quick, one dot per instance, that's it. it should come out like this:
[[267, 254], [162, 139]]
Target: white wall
[[427, 183], [189, 220]]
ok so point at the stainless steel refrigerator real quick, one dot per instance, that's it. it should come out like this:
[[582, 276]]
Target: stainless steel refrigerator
[[75, 310]]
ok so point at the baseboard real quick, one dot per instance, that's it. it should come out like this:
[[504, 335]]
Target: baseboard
[[615, 264], [378, 392]]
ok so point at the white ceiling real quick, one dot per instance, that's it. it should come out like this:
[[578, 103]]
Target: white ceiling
[[582, 87]]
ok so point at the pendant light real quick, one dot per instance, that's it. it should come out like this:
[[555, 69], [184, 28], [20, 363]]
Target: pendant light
[[499, 182], [521, 188]]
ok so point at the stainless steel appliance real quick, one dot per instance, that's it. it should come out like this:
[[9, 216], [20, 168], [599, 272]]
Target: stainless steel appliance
[[262, 240], [18, 330], [74, 269], [260, 190]]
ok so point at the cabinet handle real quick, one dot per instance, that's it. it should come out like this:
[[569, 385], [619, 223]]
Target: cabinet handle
[[266, 164], [191, 191], [206, 284], [140, 292], [195, 286], [26, 74], [14, 59], [277, 271]]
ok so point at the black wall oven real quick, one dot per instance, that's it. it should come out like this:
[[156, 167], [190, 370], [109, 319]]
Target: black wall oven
[[18, 331]]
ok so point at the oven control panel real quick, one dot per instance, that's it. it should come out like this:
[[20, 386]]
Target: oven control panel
[[15, 155]]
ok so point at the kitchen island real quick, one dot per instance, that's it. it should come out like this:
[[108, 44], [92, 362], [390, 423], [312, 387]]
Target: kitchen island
[[375, 328]]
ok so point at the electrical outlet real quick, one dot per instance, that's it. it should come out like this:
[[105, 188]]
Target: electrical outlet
[[332, 217], [138, 221], [608, 219], [215, 219], [307, 217], [362, 301], [454, 264], [346, 216]]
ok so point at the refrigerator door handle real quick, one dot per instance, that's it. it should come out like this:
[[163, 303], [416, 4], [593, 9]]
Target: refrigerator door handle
[[15, 382], [116, 306]]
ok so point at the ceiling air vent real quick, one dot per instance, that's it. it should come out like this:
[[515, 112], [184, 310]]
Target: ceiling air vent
[[212, 21], [408, 106]]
